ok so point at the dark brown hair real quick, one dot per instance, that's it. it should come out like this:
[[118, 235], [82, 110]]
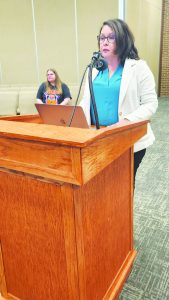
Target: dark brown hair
[[124, 38]]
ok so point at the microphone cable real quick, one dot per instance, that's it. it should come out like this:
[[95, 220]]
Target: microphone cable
[[74, 109]]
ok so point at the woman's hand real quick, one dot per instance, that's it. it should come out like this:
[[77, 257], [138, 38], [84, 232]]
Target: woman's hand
[[65, 101], [39, 101]]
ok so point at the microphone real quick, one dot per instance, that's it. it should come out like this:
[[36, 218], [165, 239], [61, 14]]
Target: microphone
[[98, 61]]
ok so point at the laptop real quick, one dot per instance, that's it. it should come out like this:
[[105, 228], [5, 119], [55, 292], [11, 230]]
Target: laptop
[[61, 115]]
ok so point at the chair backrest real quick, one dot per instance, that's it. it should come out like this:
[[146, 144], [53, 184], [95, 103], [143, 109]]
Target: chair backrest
[[8, 89], [27, 100], [28, 88], [8, 103]]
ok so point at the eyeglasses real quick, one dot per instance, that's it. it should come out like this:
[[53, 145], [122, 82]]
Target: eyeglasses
[[101, 38]]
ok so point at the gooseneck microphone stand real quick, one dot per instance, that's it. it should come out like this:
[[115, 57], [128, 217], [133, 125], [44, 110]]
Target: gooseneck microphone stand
[[92, 95], [100, 64]]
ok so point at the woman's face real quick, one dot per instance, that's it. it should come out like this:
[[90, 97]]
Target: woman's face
[[51, 76], [107, 42]]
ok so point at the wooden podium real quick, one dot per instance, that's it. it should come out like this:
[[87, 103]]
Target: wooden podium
[[66, 209]]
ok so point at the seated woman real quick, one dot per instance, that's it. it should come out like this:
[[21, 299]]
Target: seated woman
[[53, 91]]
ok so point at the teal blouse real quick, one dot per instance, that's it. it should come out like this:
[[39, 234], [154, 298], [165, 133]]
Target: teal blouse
[[106, 91]]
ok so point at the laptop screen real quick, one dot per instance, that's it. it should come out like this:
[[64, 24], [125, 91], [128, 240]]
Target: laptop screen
[[61, 115]]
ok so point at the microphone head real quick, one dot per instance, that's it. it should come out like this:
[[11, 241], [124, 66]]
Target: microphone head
[[101, 64], [96, 55], [98, 61]]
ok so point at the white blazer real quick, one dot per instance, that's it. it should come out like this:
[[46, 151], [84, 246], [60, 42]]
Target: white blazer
[[137, 99]]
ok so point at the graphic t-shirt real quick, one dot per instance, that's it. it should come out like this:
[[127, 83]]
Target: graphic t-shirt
[[52, 95]]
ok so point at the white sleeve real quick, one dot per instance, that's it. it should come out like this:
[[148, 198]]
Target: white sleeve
[[147, 94]]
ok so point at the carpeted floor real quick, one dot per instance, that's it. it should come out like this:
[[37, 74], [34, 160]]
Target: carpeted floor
[[149, 279]]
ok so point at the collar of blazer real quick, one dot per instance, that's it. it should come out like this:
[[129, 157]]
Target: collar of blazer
[[128, 70]]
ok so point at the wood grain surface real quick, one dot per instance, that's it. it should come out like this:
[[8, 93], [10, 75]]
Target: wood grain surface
[[66, 210]]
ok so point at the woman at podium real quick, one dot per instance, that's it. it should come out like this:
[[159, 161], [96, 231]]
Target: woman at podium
[[53, 91], [126, 88]]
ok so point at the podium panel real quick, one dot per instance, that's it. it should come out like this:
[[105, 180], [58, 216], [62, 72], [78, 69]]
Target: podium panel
[[66, 217]]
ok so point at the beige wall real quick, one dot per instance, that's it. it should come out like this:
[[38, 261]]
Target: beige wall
[[66, 36], [55, 30], [90, 16], [58, 45], [17, 55], [144, 19]]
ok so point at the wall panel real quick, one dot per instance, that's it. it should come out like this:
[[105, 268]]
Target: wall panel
[[56, 40], [58, 45], [17, 53], [144, 19], [55, 28], [90, 16]]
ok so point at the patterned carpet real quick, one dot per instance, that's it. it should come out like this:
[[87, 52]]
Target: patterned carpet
[[149, 279]]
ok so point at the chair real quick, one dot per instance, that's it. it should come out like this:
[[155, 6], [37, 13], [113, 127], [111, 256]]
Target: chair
[[27, 99], [8, 103]]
